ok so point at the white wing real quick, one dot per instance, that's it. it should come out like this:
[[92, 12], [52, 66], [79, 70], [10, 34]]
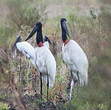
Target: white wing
[[76, 59], [27, 50]]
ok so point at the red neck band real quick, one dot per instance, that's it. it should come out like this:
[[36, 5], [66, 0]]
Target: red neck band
[[40, 44], [65, 42]]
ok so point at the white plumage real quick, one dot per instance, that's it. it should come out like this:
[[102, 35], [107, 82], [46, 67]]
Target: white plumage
[[41, 58], [27, 49], [46, 63], [75, 59]]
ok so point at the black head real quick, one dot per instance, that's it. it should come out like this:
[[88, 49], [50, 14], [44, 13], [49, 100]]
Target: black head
[[36, 28], [47, 39], [63, 20], [64, 29], [38, 25], [18, 39]]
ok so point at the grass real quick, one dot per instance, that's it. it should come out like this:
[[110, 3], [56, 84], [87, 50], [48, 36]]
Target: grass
[[96, 95], [3, 106], [5, 34]]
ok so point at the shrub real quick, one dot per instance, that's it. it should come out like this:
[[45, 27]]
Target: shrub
[[3, 106], [5, 33], [25, 12]]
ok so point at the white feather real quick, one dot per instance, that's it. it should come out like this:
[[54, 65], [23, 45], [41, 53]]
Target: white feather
[[41, 58], [27, 50], [46, 63], [76, 60]]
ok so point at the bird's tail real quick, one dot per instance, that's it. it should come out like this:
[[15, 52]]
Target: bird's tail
[[51, 81], [83, 78]]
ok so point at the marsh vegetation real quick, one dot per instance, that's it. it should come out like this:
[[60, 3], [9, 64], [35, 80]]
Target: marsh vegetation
[[19, 81]]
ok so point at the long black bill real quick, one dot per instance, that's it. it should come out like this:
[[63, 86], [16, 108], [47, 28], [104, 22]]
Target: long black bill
[[47, 39], [32, 33], [65, 28], [17, 40]]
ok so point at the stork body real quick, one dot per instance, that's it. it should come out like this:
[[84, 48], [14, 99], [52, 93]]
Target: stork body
[[41, 57], [46, 64], [28, 50], [44, 60], [75, 59]]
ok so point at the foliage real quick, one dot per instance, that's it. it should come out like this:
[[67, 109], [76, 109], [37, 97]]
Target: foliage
[[92, 34], [5, 34], [26, 12], [3, 106], [97, 34]]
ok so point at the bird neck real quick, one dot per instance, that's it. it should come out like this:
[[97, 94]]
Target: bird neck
[[40, 44], [65, 42], [39, 38], [64, 35]]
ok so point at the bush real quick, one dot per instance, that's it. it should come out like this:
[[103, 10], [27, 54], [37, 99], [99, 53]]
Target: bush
[[5, 33], [25, 12], [3, 106]]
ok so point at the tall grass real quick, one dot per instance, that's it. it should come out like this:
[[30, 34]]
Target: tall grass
[[92, 34], [3, 106], [95, 35], [6, 33], [26, 12]]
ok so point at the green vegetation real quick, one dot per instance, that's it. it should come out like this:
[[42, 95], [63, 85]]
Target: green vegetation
[[24, 12], [3, 106], [94, 36]]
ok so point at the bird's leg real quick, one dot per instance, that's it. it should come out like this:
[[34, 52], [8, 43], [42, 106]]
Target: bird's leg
[[47, 86], [20, 69], [78, 77], [70, 87], [41, 85]]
